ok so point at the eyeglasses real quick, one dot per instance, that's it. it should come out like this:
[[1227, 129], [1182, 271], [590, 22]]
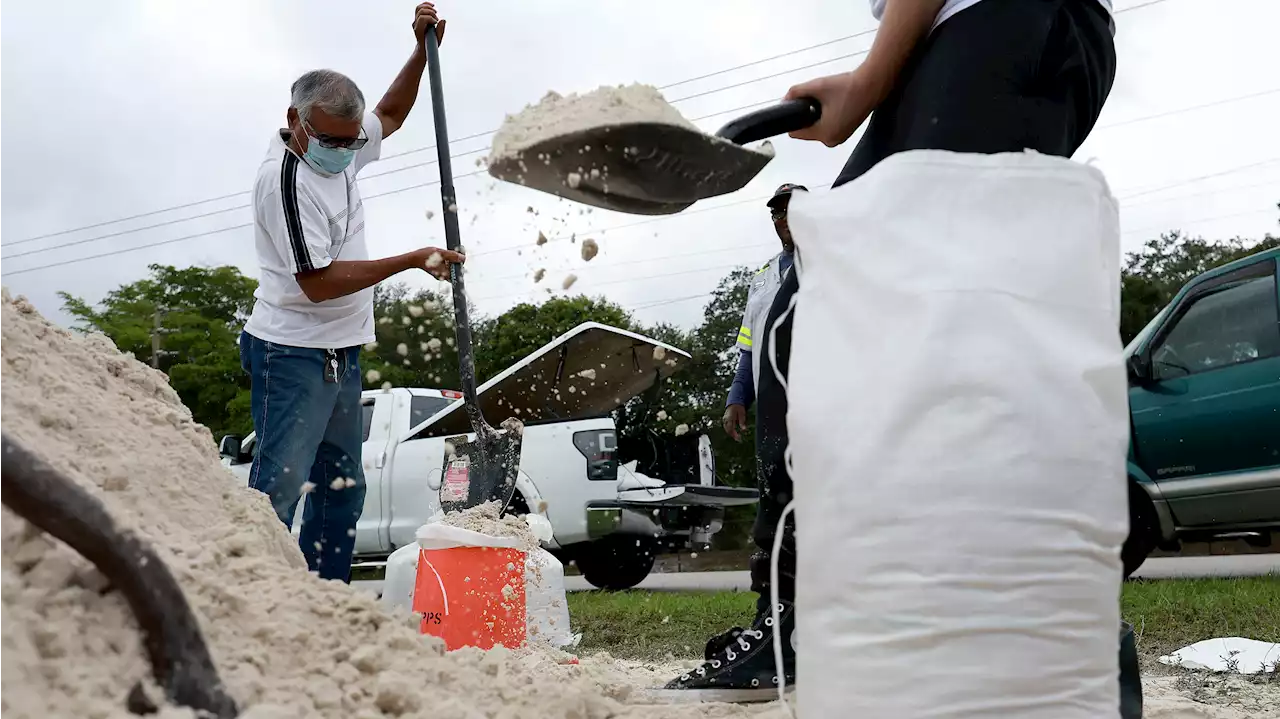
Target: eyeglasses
[[345, 143]]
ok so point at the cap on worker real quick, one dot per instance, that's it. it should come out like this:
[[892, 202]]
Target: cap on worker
[[784, 192]]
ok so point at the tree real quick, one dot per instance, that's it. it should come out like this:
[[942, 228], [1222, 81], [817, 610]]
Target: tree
[[1152, 276], [504, 340], [415, 345], [201, 311]]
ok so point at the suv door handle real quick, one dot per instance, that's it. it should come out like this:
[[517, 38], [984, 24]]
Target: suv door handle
[[380, 460]]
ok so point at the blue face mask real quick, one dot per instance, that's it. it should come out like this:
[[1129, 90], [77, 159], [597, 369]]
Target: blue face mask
[[326, 160]]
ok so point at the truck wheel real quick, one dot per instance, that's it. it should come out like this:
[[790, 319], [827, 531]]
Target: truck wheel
[[1144, 530], [616, 563]]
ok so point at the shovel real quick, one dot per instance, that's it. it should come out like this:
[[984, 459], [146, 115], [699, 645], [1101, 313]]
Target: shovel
[[653, 168], [485, 468]]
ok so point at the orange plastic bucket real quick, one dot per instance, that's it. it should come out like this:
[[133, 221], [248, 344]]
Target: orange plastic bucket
[[472, 596]]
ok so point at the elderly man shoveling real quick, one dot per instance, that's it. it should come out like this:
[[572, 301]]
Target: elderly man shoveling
[[314, 306]]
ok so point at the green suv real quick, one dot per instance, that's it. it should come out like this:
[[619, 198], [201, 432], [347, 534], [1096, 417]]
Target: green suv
[[1204, 411]]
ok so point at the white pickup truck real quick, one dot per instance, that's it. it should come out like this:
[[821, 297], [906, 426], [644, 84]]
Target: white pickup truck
[[609, 519]]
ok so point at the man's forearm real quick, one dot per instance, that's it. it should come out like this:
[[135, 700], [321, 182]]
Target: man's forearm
[[395, 105], [904, 24], [743, 390], [343, 277]]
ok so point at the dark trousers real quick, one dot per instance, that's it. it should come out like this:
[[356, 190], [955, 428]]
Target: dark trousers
[[1001, 76]]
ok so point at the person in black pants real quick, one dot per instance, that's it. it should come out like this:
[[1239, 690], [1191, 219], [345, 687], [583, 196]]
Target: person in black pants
[[988, 76]]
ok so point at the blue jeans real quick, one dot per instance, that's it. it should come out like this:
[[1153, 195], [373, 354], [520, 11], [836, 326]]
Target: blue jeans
[[309, 430]]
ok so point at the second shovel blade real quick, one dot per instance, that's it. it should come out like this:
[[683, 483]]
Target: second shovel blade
[[641, 168]]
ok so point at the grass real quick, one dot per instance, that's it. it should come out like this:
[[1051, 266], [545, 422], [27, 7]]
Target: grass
[[1172, 613], [1167, 614], [652, 625]]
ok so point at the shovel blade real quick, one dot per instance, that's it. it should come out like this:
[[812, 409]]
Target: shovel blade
[[639, 168], [481, 470]]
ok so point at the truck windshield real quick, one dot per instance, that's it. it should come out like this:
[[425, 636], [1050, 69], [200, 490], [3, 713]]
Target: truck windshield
[[1141, 337]]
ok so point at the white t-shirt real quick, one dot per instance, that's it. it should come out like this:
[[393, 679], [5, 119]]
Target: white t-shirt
[[304, 221], [951, 7]]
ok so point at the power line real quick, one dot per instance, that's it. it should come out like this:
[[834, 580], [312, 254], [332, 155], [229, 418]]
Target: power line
[[1202, 106], [474, 136], [507, 249], [1210, 176], [770, 77], [246, 206], [489, 132], [1202, 220], [1214, 191], [660, 258], [471, 152]]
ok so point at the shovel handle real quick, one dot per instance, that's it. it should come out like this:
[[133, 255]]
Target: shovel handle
[[786, 116], [452, 236]]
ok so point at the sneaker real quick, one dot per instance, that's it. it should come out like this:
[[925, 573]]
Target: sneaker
[[742, 669], [720, 642]]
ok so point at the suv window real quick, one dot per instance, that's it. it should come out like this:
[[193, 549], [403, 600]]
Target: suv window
[[367, 410], [1233, 323], [422, 408]]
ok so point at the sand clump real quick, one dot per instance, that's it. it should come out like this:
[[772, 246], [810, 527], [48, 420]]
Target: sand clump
[[590, 248], [488, 520], [285, 643], [558, 114]]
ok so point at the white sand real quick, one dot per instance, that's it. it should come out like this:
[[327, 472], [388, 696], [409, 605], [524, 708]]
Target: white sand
[[559, 114], [286, 644]]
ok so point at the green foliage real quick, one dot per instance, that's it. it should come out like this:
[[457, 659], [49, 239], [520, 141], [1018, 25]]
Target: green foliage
[[420, 326], [504, 340], [1152, 276]]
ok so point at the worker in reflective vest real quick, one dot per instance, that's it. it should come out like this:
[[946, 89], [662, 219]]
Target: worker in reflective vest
[[744, 681], [760, 294]]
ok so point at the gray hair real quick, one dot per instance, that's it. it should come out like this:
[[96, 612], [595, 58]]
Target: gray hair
[[330, 91]]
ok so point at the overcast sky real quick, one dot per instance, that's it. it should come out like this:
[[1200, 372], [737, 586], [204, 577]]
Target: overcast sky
[[119, 108]]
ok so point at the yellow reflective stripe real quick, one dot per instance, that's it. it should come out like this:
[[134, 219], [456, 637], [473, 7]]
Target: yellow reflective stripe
[[762, 269], [744, 330], [744, 340]]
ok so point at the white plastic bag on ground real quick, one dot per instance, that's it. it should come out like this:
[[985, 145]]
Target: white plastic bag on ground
[[546, 608], [1227, 654], [958, 424]]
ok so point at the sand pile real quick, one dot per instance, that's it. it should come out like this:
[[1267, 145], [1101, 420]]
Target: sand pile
[[286, 643], [559, 114]]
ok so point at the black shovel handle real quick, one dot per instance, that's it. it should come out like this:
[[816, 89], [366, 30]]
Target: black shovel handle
[[452, 236], [180, 659], [786, 116]]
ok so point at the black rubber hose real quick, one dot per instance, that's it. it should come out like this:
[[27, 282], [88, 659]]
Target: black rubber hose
[[179, 657]]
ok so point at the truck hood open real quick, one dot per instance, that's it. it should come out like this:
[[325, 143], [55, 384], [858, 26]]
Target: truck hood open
[[588, 371]]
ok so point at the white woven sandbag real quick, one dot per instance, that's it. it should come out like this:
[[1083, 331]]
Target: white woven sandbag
[[546, 606], [958, 425]]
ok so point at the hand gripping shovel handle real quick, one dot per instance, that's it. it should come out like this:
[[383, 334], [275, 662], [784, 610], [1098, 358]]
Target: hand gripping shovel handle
[[453, 238], [786, 116], [180, 659]]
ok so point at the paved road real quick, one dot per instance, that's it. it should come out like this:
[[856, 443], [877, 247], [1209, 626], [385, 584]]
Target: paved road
[[1239, 565]]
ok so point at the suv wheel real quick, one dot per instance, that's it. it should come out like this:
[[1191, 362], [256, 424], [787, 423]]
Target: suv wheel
[[1144, 530], [616, 563]]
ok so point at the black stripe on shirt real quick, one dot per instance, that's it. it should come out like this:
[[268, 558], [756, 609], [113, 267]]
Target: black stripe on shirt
[[292, 219]]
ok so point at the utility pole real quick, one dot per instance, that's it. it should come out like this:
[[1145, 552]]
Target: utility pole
[[155, 340], [158, 330]]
